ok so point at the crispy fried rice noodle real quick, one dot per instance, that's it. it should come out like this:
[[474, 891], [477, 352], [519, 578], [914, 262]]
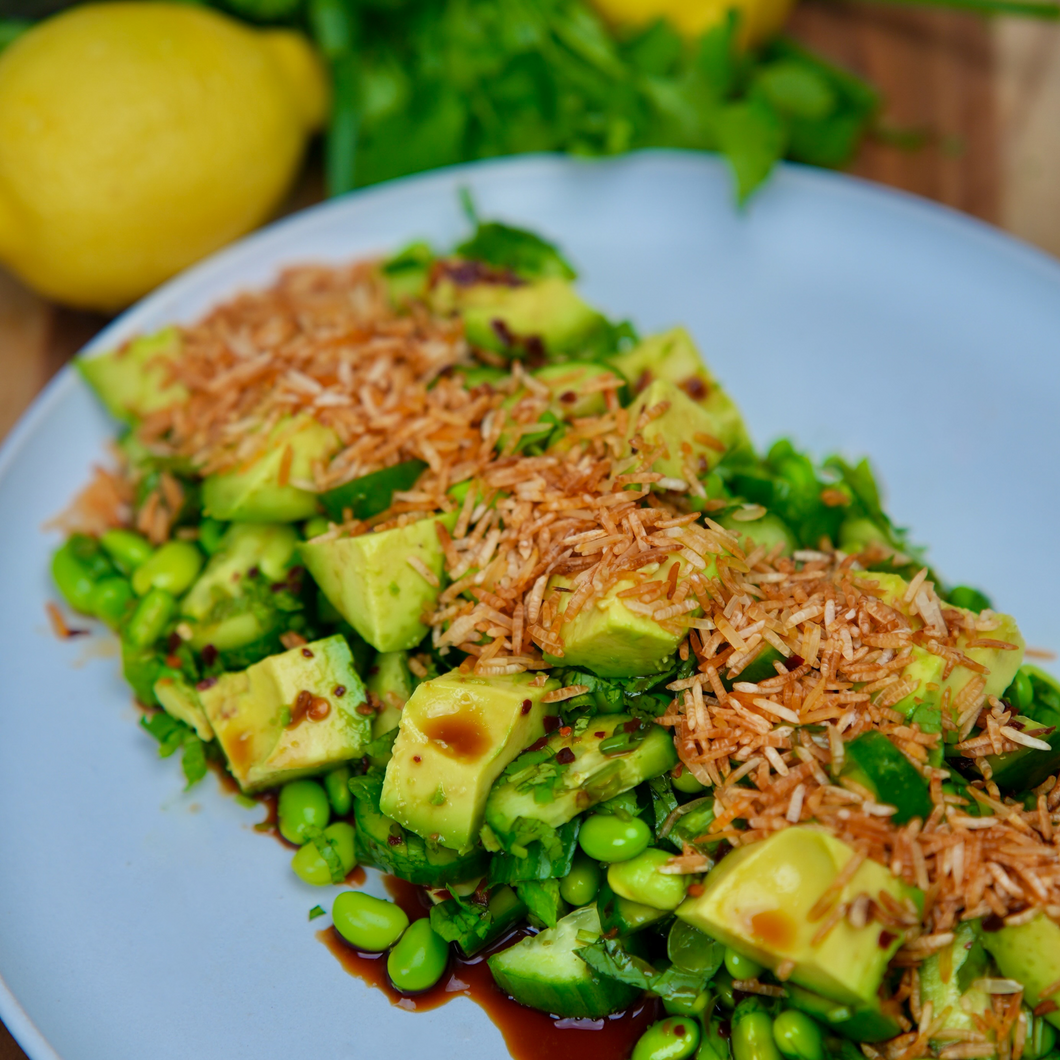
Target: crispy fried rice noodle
[[325, 342]]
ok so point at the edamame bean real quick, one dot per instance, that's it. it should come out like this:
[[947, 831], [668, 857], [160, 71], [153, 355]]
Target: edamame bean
[[640, 880], [173, 568], [303, 805], [741, 967], [606, 837], [723, 990], [127, 548], [315, 527], [686, 783], [337, 785], [111, 598], [72, 579], [675, 1038], [686, 1003], [418, 960], [368, 923], [210, 533], [149, 620], [580, 885], [752, 1036], [799, 1037], [1021, 691], [309, 864], [88, 553]]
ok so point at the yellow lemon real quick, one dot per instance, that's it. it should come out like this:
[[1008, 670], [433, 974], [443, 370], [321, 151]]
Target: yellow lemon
[[135, 138], [759, 19]]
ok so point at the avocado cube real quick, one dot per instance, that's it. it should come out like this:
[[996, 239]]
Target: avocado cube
[[134, 380], [613, 641], [265, 733], [927, 669], [262, 490], [679, 430], [1030, 954], [179, 700], [549, 310], [672, 356], [371, 583], [221, 612], [758, 900], [457, 735]]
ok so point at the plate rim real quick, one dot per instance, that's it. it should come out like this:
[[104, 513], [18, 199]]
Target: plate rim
[[795, 176]]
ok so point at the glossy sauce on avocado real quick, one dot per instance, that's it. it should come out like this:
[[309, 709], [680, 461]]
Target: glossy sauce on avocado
[[458, 735], [528, 1034]]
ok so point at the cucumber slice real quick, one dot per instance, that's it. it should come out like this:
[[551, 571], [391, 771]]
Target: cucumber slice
[[382, 842], [1027, 767], [621, 915], [616, 753], [862, 1024], [875, 763], [545, 973], [371, 494]]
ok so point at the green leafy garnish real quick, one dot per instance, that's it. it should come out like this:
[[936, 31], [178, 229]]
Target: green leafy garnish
[[542, 899], [173, 735], [315, 912]]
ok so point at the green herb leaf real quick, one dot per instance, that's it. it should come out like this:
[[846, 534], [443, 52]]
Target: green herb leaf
[[524, 253], [315, 912], [329, 851], [542, 899]]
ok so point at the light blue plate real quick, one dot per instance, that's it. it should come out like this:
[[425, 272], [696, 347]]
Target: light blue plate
[[141, 923]]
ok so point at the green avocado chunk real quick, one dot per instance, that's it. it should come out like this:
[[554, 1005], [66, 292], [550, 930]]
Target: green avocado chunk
[[546, 973], [390, 681], [265, 489], [289, 715], [616, 753], [672, 356], [506, 318], [457, 734], [759, 898], [221, 611], [181, 701], [951, 989], [371, 583], [1030, 954], [134, 380]]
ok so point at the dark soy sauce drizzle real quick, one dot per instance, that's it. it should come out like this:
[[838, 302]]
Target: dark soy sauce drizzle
[[529, 1034]]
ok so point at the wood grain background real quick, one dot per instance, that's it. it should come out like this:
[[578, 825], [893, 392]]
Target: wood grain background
[[982, 98]]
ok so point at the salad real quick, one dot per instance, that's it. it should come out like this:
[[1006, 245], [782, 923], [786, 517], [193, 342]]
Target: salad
[[498, 597]]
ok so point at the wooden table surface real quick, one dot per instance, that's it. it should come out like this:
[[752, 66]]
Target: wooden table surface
[[982, 98]]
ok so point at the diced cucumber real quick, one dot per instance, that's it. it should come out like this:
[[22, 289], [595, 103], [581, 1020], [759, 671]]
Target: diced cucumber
[[1027, 767], [862, 1024], [875, 763], [371, 494], [382, 842], [624, 916], [615, 753], [545, 972]]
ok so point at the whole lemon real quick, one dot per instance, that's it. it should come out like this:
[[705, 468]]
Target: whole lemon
[[135, 138], [759, 19]]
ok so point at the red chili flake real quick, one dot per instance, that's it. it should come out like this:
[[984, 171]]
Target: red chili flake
[[394, 840], [565, 756], [885, 939], [253, 572], [551, 723], [993, 922], [306, 705], [631, 726], [173, 662], [526, 706], [502, 331], [565, 730], [538, 744], [610, 933], [416, 758], [793, 662], [173, 641], [679, 1029], [1045, 1008], [568, 397], [205, 683], [724, 1029], [599, 735], [339, 691], [366, 709], [209, 655], [307, 653], [695, 388], [696, 889]]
